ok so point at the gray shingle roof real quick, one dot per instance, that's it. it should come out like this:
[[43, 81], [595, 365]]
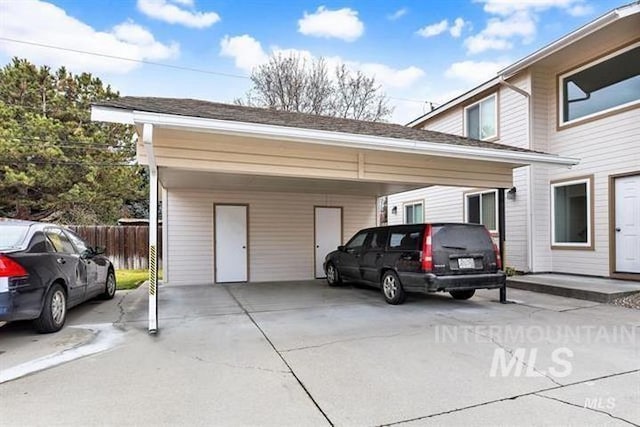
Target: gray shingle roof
[[238, 113]]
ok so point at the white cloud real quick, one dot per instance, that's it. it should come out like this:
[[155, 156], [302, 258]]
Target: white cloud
[[165, 11], [475, 72], [397, 14], [341, 23], [516, 20], [434, 29], [246, 51], [440, 27], [456, 29], [45, 23]]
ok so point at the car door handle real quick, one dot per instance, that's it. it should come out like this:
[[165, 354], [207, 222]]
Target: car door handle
[[61, 261], [406, 257], [378, 255]]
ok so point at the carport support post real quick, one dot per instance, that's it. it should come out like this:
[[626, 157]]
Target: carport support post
[[147, 139], [501, 233]]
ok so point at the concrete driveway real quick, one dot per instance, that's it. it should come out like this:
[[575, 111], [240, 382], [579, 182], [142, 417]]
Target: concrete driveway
[[301, 353]]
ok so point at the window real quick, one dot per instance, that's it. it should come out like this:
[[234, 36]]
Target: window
[[79, 244], [413, 213], [60, 242], [609, 83], [481, 119], [482, 208], [378, 239], [571, 213], [407, 240], [357, 241]]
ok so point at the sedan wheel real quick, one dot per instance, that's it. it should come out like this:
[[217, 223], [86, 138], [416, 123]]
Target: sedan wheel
[[333, 276], [54, 312], [392, 288], [110, 286]]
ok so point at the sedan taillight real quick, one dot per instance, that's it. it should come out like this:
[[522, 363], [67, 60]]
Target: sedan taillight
[[11, 268]]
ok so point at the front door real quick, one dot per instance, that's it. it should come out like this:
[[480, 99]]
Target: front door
[[627, 225], [328, 231], [231, 257]]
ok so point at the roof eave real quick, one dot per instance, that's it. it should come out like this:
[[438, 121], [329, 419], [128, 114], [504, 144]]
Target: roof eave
[[570, 38], [315, 136]]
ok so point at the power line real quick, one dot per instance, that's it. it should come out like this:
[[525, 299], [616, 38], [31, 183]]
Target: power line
[[163, 64], [122, 58], [46, 163]]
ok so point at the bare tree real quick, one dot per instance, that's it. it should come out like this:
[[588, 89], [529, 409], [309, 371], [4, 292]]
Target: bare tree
[[291, 83]]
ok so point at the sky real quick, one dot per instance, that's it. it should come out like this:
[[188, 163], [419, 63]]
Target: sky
[[419, 51]]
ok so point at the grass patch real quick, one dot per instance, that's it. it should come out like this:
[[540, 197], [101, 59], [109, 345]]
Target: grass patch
[[131, 279]]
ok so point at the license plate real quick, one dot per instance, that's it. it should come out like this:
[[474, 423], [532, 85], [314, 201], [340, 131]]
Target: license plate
[[466, 263]]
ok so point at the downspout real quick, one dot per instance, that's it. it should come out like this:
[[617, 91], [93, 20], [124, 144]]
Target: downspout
[[147, 139], [530, 245]]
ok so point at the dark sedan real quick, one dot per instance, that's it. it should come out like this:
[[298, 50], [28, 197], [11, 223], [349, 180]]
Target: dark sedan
[[46, 269]]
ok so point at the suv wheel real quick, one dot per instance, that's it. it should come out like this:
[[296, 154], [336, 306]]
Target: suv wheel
[[466, 294], [54, 312], [333, 275], [392, 288]]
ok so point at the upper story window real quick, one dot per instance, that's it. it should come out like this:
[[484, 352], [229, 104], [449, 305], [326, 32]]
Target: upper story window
[[604, 85], [482, 208], [481, 119]]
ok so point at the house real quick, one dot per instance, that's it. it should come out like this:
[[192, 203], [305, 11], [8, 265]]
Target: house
[[251, 194], [577, 97]]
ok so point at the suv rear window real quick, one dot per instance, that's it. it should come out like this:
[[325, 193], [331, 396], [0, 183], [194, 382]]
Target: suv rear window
[[408, 239], [459, 236], [12, 236]]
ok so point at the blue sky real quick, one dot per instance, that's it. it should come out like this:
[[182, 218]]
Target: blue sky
[[417, 50]]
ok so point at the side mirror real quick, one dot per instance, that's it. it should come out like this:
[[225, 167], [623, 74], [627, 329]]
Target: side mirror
[[341, 248], [99, 250]]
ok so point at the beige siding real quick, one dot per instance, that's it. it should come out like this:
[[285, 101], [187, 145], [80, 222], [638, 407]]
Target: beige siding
[[281, 232], [449, 122], [604, 146], [441, 204]]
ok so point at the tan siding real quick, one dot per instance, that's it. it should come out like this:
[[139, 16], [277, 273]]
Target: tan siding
[[280, 232], [449, 122], [517, 223]]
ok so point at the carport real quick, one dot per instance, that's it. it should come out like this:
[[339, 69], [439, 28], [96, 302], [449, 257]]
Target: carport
[[253, 194]]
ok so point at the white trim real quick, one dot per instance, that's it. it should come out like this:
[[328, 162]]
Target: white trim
[[479, 103], [341, 139], [480, 193], [563, 76], [587, 182], [111, 115]]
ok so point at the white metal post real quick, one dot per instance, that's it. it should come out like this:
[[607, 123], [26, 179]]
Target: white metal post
[[147, 138]]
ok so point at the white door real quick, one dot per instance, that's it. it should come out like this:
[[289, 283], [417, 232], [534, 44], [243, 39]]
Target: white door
[[231, 243], [628, 224], [328, 234]]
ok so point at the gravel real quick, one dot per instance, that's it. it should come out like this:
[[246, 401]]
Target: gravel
[[631, 301]]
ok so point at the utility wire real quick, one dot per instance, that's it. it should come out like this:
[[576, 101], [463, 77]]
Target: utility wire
[[163, 64]]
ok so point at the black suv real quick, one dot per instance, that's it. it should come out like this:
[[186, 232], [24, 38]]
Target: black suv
[[439, 257]]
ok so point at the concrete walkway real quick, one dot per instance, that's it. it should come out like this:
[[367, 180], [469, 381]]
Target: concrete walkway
[[597, 289], [301, 353]]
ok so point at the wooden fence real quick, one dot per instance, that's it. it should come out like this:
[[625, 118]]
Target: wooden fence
[[126, 246]]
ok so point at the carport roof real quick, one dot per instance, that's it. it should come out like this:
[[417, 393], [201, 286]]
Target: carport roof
[[240, 113]]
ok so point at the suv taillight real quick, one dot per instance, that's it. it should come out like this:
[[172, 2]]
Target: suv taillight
[[427, 250], [496, 250], [10, 268]]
